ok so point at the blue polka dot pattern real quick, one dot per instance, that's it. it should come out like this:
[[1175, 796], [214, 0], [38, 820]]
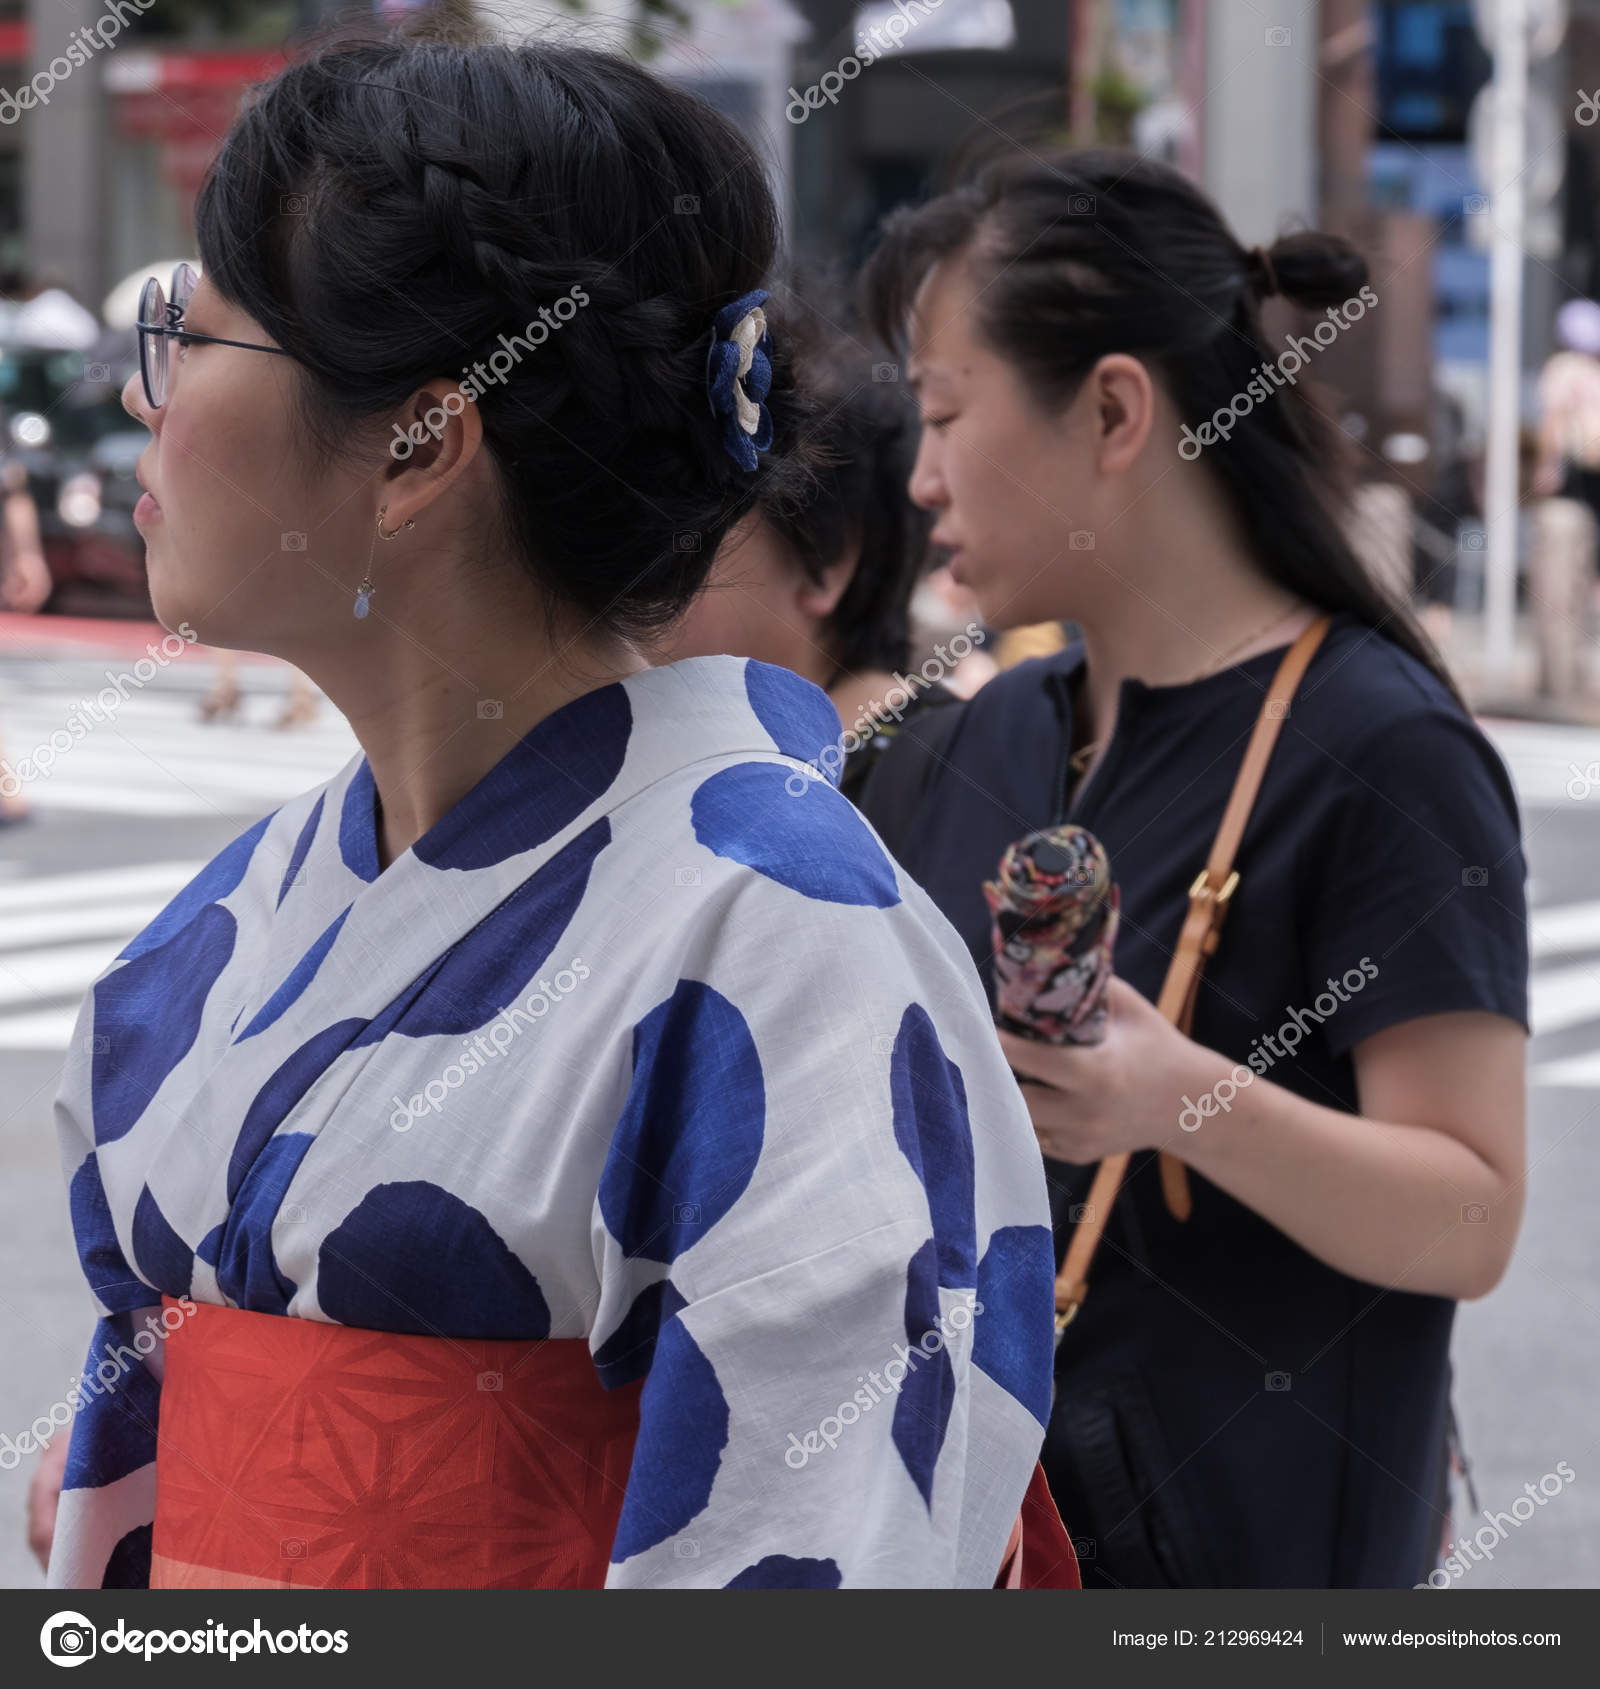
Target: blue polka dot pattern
[[932, 1128], [928, 1392], [489, 969], [164, 1258], [220, 876], [147, 1014], [798, 715], [778, 1571], [114, 1431], [293, 1078], [297, 979], [1016, 1346], [302, 845], [129, 1565], [683, 1428], [455, 1276], [691, 1129], [626, 1354], [104, 1265], [358, 824], [247, 1268], [543, 784], [809, 839]]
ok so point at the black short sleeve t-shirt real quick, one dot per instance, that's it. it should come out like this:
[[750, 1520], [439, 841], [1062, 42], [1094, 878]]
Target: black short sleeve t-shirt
[[1230, 1411]]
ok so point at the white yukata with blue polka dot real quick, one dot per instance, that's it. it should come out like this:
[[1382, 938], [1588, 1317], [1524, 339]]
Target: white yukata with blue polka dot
[[646, 1042]]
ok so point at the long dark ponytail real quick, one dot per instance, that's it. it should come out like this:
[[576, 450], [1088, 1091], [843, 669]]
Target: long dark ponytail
[[1088, 253]]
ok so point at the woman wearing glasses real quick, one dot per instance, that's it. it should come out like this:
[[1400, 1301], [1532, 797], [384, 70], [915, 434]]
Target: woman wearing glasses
[[560, 1149]]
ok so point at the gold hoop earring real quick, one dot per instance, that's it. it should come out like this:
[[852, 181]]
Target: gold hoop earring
[[365, 591]]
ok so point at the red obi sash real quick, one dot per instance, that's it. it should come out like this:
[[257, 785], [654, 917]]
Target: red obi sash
[[303, 1455], [318, 1456]]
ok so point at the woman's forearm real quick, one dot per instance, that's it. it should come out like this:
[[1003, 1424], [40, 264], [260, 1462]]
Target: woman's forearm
[[1402, 1206]]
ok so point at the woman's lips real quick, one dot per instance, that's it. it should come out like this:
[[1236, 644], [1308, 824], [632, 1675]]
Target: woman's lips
[[146, 509]]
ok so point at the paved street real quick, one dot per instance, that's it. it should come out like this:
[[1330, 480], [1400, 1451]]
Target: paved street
[[134, 807]]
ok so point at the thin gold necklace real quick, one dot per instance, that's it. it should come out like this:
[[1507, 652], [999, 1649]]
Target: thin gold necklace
[[1079, 760], [1218, 664]]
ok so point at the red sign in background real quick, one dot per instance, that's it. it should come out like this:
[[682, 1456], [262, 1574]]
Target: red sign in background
[[189, 109]]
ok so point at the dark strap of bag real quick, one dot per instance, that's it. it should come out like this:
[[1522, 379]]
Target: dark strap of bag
[[1209, 897]]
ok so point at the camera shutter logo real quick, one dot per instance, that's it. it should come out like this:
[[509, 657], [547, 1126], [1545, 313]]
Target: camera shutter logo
[[68, 1639]]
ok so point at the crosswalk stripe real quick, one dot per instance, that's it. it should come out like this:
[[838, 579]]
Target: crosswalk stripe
[[153, 757], [1573, 1073], [101, 920], [1564, 997], [1564, 929], [43, 1029], [107, 797], [27, 975], [98, 884], [1549, 763], [241, 762]]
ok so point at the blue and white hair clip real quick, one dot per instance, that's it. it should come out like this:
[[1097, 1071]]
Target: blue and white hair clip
[[738, 377]]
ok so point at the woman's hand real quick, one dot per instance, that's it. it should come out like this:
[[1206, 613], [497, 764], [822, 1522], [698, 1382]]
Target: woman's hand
[[26, 584], [44, 1495], [1126, 1093]]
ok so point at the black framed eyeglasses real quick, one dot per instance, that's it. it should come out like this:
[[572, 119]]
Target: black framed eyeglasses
[[161, 320]]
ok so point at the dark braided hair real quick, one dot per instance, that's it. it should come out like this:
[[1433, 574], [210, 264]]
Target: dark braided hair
[[387, 210]]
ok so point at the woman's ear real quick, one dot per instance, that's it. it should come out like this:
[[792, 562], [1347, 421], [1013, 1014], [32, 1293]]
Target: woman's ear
[[1124, 402], [821, 598], [431, 445]]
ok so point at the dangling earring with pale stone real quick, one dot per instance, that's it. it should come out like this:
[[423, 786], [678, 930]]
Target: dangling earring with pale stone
[[365, 591]]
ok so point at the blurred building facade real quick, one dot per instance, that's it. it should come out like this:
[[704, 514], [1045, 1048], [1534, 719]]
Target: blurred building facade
[[1361, 115]]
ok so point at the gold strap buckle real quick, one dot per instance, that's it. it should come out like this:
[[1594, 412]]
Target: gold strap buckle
[[1065, 1316], [1201, 891]]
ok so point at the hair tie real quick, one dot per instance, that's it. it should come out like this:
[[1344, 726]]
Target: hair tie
[[1263, 274], [738, 376]]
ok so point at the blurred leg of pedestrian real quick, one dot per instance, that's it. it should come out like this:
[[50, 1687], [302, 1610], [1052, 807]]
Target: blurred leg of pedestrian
[[12, 808], [221, 703], [301, 705], [25, 585], [1561, 577]]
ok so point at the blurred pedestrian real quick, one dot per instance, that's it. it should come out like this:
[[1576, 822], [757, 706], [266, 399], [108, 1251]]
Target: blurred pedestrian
[[1566, 514], [1255, 1390], [821, 581], [25, 585], [1569, 408], [221, 702]]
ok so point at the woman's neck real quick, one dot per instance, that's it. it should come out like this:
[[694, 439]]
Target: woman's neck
[[435, 712], [1181, 643], [864, 696]]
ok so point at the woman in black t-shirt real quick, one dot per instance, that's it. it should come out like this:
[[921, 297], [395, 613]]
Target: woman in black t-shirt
[[1256, 1395]]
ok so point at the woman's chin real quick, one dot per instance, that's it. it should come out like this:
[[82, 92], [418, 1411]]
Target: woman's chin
[[177, 615]]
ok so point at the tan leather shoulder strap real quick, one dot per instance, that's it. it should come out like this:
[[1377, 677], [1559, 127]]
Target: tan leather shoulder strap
[[1209, 898]]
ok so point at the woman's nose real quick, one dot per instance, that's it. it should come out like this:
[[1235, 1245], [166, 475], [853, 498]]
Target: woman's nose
[[133, 401], [926, 486]]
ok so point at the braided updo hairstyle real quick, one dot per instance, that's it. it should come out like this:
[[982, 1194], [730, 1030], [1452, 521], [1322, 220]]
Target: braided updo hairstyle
[[386, 209]]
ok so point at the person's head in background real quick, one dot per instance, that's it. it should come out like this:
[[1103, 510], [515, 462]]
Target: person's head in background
[[1101, 440], [820, 581], [1578, 327]]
